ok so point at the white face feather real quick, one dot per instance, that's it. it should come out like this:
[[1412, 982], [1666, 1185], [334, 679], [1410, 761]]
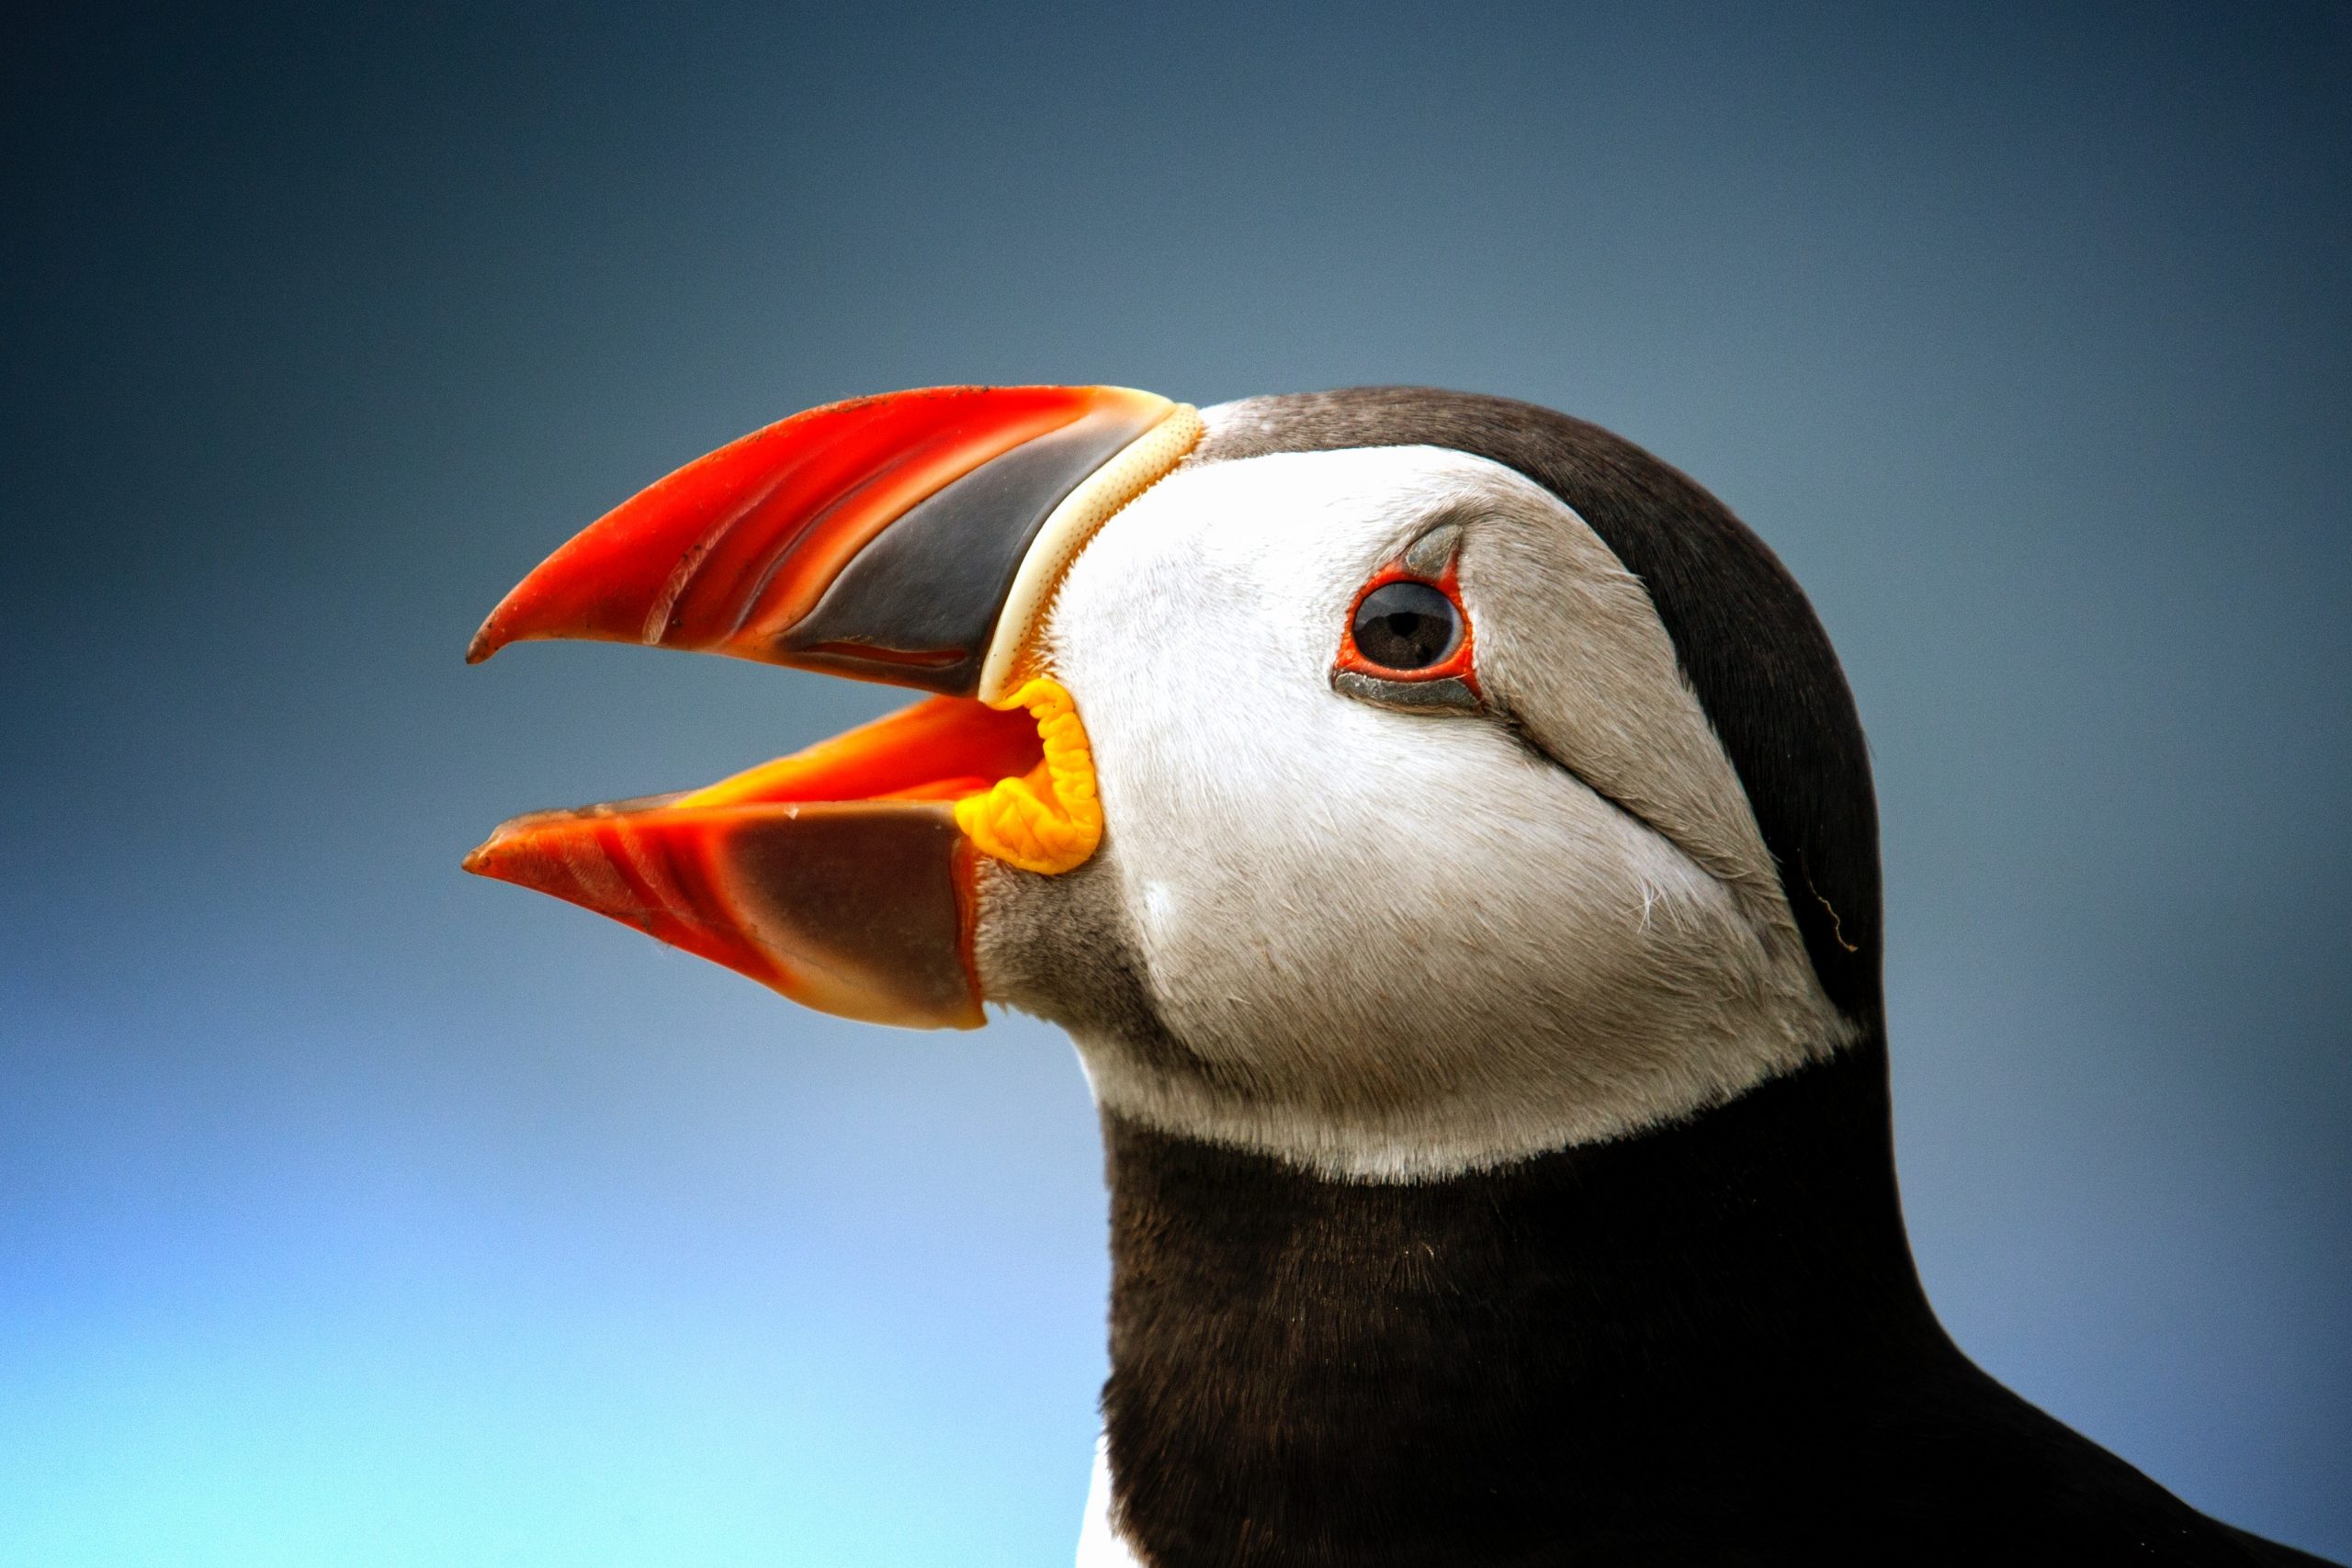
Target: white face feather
[[1394, 945]]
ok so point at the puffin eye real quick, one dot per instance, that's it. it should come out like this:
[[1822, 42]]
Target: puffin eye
[[1407, 625], [1407, 642]]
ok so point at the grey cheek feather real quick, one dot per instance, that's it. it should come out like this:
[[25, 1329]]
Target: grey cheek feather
[[1064, 948]]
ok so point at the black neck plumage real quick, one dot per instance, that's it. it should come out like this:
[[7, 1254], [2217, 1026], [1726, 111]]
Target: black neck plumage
[[1491, 1366]]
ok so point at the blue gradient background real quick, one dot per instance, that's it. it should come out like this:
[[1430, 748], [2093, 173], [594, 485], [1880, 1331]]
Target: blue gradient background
[[355, 1211]]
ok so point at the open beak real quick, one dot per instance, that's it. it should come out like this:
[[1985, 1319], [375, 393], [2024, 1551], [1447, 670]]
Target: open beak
[[914, 538]]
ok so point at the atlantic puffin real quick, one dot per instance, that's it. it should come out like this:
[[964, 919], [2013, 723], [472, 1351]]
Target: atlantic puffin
[[1445, 832]]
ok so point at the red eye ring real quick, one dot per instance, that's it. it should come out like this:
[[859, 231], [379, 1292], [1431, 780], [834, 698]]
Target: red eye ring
[[1458, 664]]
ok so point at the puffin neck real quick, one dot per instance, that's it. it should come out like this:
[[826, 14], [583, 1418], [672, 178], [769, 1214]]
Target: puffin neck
[[1466, 1368]]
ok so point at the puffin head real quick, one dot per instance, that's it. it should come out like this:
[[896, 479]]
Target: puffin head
[[1394, 782]]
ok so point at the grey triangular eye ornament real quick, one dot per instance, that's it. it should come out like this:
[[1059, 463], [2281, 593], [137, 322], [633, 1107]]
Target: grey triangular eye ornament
[[1407, 643]]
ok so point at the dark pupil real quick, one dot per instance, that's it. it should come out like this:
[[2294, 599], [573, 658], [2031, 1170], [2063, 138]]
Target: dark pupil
[[1406, 626]]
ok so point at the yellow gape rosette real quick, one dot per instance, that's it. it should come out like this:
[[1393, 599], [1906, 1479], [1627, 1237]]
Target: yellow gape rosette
[[1049, 821]]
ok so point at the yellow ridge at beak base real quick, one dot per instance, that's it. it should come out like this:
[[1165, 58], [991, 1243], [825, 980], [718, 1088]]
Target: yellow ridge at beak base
[[1050, 820]]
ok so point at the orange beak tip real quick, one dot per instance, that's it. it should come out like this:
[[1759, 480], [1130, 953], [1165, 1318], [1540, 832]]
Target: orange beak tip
[[488, 638], [523, 858]]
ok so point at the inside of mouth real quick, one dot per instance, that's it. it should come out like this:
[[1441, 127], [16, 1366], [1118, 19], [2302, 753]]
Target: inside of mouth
[[940, 748]]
